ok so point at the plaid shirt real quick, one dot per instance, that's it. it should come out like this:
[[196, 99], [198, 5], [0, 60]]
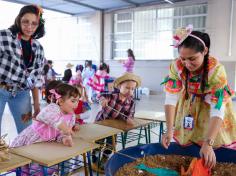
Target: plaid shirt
[[127, 107], [12, 69]]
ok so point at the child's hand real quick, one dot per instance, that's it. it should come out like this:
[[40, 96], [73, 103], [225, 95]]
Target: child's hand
[[65, 129], [67, 140], [75, 128], [130, 121], [103, 102]]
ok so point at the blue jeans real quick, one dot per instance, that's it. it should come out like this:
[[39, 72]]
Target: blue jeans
[[19, 104]]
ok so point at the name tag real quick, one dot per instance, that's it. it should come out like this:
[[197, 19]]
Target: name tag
[[188, 122]]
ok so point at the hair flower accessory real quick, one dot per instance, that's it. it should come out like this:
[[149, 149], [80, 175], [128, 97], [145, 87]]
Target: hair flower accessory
[[40, 14], [56, 95], [182, 33]]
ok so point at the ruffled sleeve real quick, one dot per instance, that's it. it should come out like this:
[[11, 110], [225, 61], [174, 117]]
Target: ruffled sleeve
[[221, 93], [50, 115], [172, 82]]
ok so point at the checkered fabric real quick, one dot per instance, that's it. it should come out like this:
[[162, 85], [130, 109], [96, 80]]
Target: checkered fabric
[[127, 108], [12, 69]]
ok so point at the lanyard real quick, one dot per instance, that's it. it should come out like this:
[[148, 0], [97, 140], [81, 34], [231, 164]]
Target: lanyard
[[19, 37], [191, 103], [194, 94]]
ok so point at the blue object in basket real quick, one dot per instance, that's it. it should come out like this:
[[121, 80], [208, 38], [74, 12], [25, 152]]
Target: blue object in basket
[[157, 171], [117, 160]]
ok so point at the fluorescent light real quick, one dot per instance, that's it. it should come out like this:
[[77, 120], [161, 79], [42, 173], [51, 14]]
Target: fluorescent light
[[169, 1]]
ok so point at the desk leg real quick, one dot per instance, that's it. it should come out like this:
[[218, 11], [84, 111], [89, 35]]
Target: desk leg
[[160, 131], [149, 133], [99, 161], [124, 137], [139, 135], [146, 135], [18, 171], [89, 164], [114, 143], [62, 168], [45, 171], [85, 165]]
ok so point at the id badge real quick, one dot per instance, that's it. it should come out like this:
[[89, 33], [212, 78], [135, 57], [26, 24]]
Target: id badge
[[188, 122]]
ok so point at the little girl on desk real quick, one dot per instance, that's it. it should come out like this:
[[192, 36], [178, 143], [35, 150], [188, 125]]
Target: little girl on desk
[[55, 122]]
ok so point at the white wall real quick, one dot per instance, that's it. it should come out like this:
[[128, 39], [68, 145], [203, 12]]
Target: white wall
[[218, 23]]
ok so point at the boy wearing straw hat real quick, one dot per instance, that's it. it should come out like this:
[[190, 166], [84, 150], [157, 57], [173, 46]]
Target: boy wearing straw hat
[[118, 106]]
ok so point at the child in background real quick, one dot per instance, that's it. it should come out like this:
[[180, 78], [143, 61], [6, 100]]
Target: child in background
[[77, 78], [117, 106], [55, 122], [83, 105], [87, 73], [97, 82], [128, 64]]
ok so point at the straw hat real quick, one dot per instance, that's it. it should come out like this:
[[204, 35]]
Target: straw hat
[[127, 77], [69, 65]]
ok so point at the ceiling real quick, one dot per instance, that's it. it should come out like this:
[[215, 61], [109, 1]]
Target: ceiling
[[76, 7]]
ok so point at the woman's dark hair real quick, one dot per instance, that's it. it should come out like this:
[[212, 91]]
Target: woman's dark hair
[[104, 66], [130, 53], [51, 85], [16, 27], [66, 91], [195, 44]]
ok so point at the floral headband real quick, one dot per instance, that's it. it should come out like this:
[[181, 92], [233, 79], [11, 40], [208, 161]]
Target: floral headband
[[40, 14], [182, 33]]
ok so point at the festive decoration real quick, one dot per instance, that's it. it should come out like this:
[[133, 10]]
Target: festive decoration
[[40, 14], [157, 171], [181, 34], [56, 95], [196, 168]]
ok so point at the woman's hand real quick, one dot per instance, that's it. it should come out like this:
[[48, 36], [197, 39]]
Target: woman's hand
[[67, 140], [208, 154], [166, 138], [36, 110]]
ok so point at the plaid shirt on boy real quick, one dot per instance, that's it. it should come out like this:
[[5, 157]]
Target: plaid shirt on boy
[[127, 107], [12, 69]]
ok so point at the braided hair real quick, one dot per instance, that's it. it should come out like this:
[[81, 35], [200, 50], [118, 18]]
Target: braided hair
[[195, 44]]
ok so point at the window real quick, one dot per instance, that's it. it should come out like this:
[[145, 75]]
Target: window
[[150, 32]]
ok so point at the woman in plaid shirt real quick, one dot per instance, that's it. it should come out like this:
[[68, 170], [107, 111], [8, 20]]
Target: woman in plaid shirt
[[21, 62]]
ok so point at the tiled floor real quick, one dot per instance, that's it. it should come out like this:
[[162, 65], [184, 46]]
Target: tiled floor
[[152, 103]]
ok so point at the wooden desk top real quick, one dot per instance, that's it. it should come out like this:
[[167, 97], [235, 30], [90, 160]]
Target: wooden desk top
[[51, 153], [122, 125], [14, 162], [151, 115], [92, 132]]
